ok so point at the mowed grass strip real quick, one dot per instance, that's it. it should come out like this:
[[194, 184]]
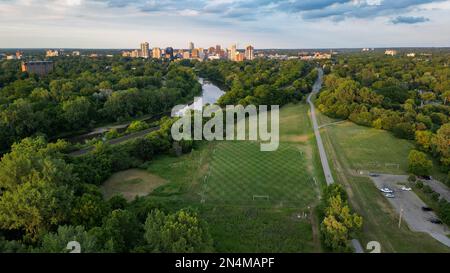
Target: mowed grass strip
[[242, 174]]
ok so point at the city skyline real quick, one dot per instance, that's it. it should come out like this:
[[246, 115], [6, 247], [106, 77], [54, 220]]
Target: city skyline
[[264, 23]]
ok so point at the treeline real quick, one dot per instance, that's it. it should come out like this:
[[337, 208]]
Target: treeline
[[266, 82], [83, 92], [48, 199], [408, 97], [338, 223], [440, 205]]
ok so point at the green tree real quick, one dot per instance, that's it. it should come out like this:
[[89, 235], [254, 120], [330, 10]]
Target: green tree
[[181, 232], [338, 223], [57, 242], [36, 187], [423, 139], [89, 210], [120, 232], [442, 143], [418, 163], [77, 112]]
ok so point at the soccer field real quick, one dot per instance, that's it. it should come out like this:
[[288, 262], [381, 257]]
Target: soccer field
[[253, 201]]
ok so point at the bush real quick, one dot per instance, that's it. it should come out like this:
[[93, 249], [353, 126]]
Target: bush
[[435, 196], [137, 126], [412, 178], [427, 189], [444, 211], [419, 184]]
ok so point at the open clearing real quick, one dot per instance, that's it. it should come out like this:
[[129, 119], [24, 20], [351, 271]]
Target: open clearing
[[131, 183], [370, 149], [352, 148]]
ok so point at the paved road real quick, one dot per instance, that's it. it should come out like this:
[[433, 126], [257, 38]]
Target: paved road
[[116, 141], [438, 187], [357, 246], [323, 156]]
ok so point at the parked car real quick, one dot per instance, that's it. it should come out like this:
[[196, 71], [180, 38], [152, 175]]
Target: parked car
[[386, 190], [373, 175], [425, 177], [389, 195], [404, 188], [436, 221], [427, 209]]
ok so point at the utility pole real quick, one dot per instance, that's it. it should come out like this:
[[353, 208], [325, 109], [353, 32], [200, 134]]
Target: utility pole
[[400, 219]]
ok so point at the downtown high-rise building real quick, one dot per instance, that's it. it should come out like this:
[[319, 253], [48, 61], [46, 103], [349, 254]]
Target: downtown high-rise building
[[191, 46], [233, 51], [156, 52], [145, 50], [249, 52], [195, 53]]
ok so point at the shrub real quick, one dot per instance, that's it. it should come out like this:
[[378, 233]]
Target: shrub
[[419, 184], [412, 178], [427, 189], [435, 196]]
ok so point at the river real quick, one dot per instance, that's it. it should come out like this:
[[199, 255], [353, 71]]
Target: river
[[210, 95]]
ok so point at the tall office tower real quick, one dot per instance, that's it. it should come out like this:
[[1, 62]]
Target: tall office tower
[[201, 53], [211, 50], [156, 53], [145, 52], [186, 55], [239, 57], [249, 52], [191, 46], [218, 49], [233, 52], [195, 53]]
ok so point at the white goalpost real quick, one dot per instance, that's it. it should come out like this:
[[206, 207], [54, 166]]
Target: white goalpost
[[260, 197]]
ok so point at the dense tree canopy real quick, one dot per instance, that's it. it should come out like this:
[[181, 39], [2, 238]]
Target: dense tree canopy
[[82, 92], [408, 96]]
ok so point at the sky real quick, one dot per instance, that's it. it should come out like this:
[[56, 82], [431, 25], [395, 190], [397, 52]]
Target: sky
[[261, 23]]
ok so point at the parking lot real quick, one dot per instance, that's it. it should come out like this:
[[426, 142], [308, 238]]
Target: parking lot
[[410, 205]]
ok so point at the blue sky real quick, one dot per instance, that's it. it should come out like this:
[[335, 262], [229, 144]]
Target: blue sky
[[262, 23]]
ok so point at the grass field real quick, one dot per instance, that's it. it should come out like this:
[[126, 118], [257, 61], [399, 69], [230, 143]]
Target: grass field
[[370, 149], [221, 178], [131, 183], [241, 174], [350, 148]]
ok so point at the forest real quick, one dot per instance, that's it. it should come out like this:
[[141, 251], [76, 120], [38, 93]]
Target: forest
[[409, 97], [48, 197], [82, 93]]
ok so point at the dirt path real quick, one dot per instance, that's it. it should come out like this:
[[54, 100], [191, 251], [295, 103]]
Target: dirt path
[[315, 231]]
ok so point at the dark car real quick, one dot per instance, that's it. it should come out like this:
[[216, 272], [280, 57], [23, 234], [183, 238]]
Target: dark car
[[425, 177], [427, 209], [436, 221]]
